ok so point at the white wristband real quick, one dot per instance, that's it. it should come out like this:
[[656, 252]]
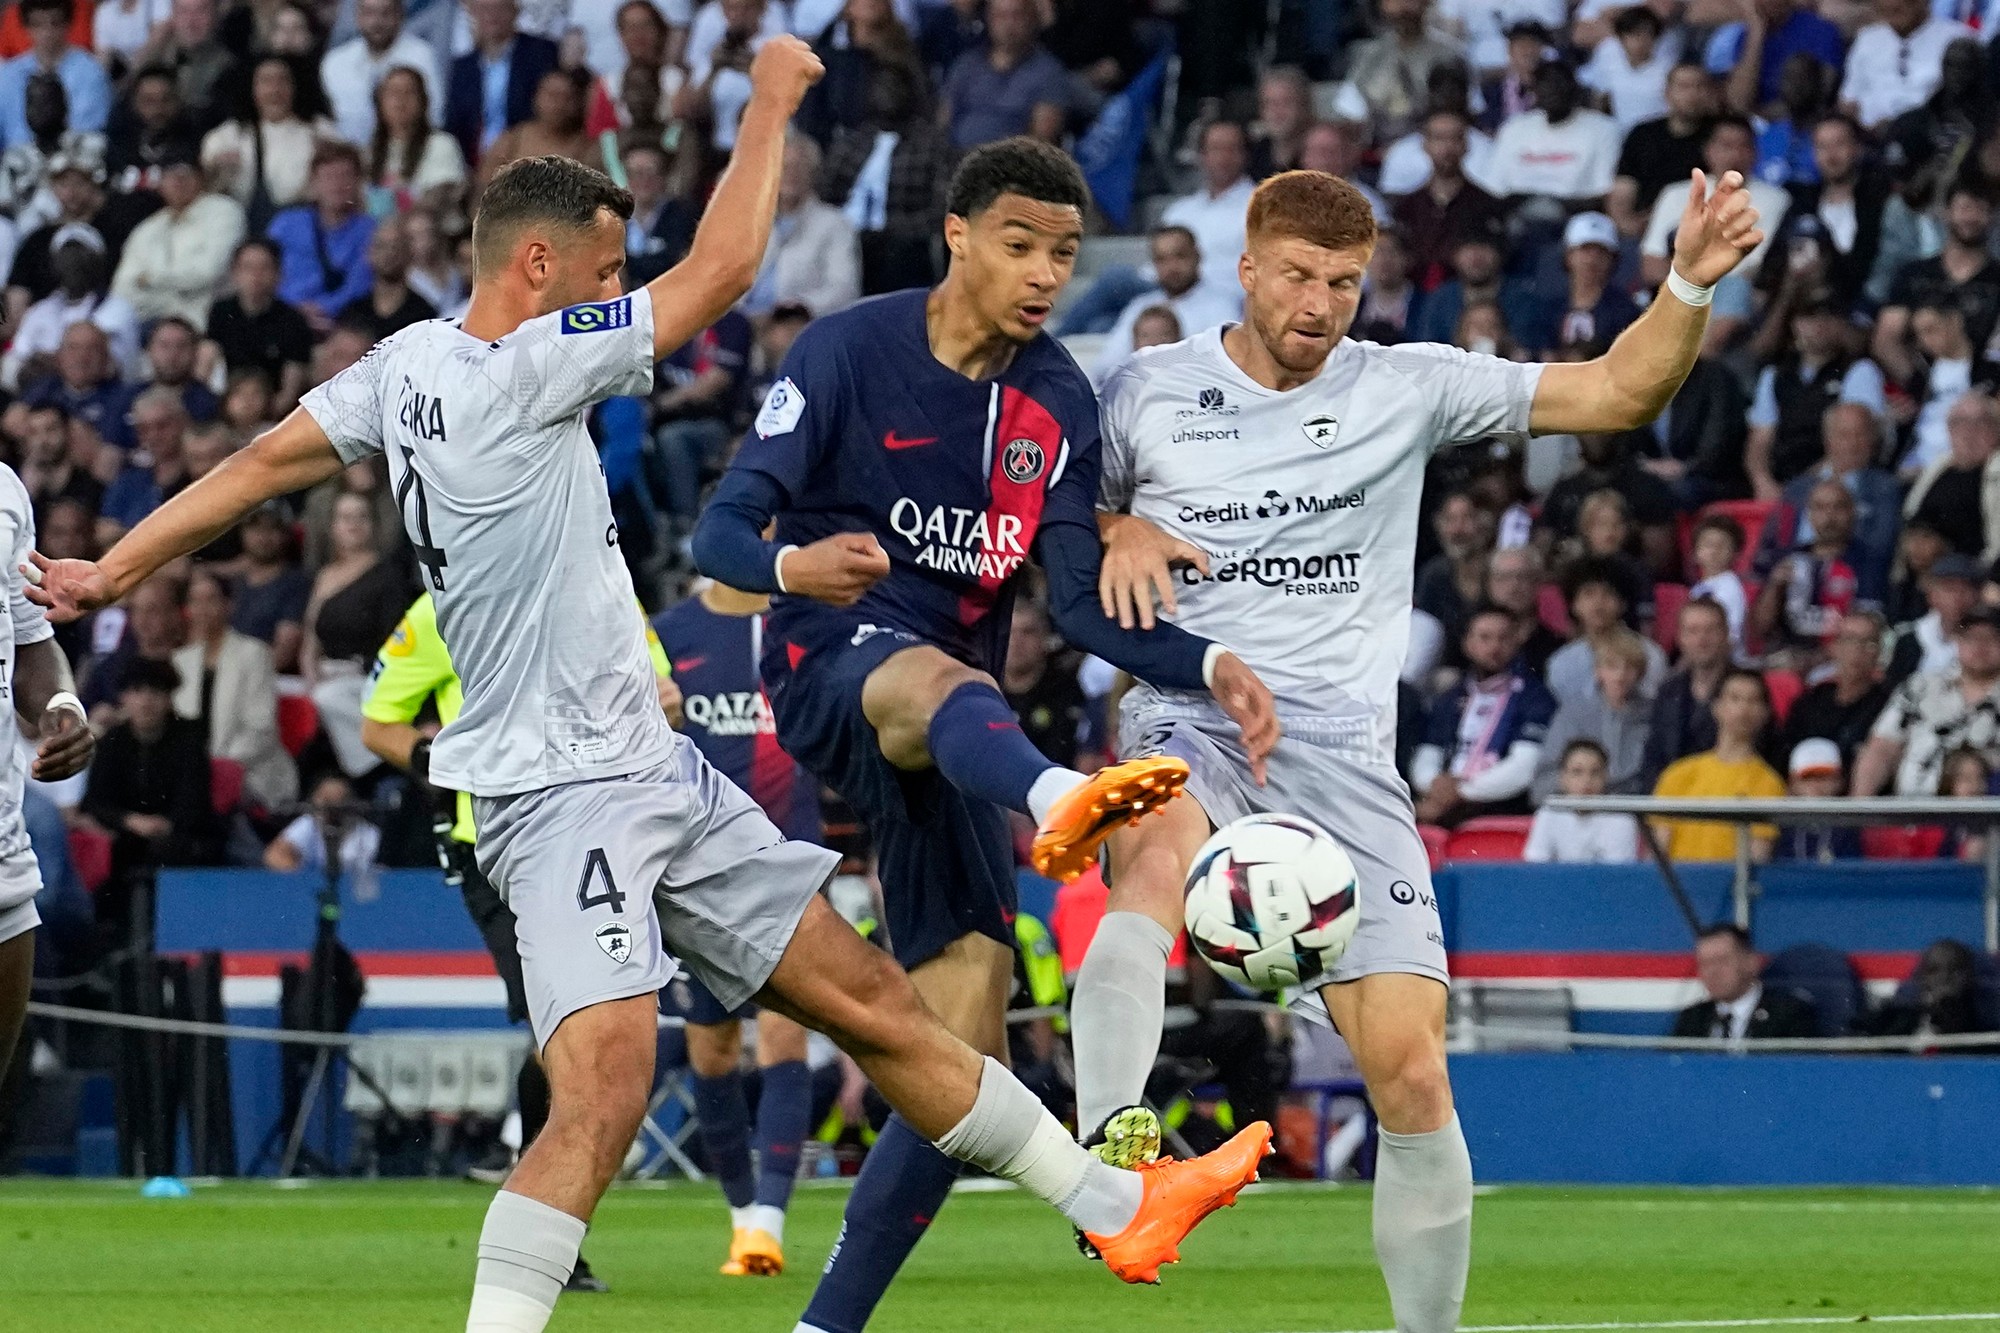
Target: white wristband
[[64, 699], [1208, 661], [778, 567], [1686, 292]]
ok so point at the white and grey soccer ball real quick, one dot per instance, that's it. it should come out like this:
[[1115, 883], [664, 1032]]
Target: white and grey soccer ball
[[1272, 901]]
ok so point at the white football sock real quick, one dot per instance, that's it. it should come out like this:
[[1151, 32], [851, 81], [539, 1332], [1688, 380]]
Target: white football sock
[[527, 1250], [1010, 1133], [767, 1218], [1051, 787], [1116, 1012], [1423, 1225]]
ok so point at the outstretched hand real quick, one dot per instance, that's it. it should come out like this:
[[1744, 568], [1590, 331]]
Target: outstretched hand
[[67, 589], [1139, 559], [1718, 228]]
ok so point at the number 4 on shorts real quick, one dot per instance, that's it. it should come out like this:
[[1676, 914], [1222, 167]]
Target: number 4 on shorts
[[597, 870]]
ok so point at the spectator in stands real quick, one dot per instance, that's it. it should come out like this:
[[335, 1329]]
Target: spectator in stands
[[947, 31], [157, 471], [1614, 714], [1214, 214], [1386, 74], [1156, 326], [1010, 85], [76, 182], [1511, 91], [895, 203], [354, 70], [1738, 1008], [1514, 578], [1790, 428], [1337, 148], [81, 297], [1479, 278], [1561, 152], [1967, 776], [1451, 582], [1284, 114], [434, 273], [1596, 310], [1817, 772], [1438, 215], [1696, 444], [1041, 686], [48, 467], [1930, 643], [1958, 495], [1833, 231], [390, 305], [1962, 271], [146, 627], [1595, 591], [1390, 301], [1808, 591], [1731, 146], [253, 330], [174, 261], [493, 86], [358, 597], [1683, 722], [1941, 998], [1663, 151], [1773, 35], [1589, 839], [1731, 768], [263, 156], [408, 156], [1605, 533], [157, 126], [227, 682], [1784, 143], [171, 351], [1895, 64], [696, 407], [84, 84], [1630, 70], [813, 258], [1178, 286], [661, 227], [1843, 707], [553, 128], [24, 167], [1097, 42], [1920, 547], [1934, 713], [1953, 367], [866, 41], [191, 47], [86, 385], [1607, 464], [1718, 542], [269, 600], [301, 845], [1485, 734], [323, 244]]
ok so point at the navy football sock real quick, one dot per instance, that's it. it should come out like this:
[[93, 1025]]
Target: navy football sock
[[977, 743], [784, 1104], [901, 1186], [723, 1118]]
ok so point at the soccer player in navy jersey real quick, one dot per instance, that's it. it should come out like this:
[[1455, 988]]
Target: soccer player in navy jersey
[[713, 639], [916, 451]]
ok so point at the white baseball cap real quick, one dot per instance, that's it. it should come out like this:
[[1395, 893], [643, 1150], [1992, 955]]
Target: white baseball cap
[[1591, 229], [1815, 756]]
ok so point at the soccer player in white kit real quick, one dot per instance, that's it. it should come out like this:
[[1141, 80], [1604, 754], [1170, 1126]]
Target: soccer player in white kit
[[603, 828], [1263, 478], [35, 683]]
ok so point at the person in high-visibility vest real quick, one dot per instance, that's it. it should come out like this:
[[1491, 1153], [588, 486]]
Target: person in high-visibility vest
[[414, 669]]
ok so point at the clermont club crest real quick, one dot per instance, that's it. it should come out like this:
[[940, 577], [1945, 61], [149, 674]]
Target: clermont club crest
[[1023, 461], [1321, 430], [616, 940]]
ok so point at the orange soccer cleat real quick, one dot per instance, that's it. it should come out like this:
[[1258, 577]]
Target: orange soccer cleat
[[1083, 817], [754, 1253], [1178, 1195]]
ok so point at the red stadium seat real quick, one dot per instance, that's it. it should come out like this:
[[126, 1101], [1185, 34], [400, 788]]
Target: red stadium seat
[[90, 853], [1668, 599], [1489, 838], [1752, 515], [1785, 688], [225, 785], [298, 722], [1550, 607], [1901, 842], [1435, 841]]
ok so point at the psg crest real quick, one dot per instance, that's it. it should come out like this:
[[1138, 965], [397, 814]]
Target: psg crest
[[1023, 461], [1321, 430], [616, 940]]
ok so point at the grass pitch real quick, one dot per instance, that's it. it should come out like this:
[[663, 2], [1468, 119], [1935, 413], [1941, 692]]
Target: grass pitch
[[92, 1257]]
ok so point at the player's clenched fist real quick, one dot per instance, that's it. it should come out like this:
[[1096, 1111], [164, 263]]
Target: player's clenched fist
[[783, 69], [836, 570], [1247, 699]]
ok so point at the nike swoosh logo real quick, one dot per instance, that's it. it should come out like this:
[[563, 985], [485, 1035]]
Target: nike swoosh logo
[[689, 664], [895, 441]]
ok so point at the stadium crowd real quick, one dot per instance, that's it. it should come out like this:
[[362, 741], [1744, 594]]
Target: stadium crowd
[[1788, 584]]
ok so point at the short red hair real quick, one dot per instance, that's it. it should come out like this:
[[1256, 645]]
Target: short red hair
[[1314, 207]]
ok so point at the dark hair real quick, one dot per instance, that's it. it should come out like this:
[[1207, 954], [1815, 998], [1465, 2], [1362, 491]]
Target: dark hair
[[1484, 609], [1585, 745], [1201, 140], [146, 673], [1705, 604], [411, 151], [1965, 185], [1749, 674], [181, 320], [1638, 16], [1723, 524], [1019, 165], [1728, 119], [50, 405], [1842, 118], [268, 246], [1173, 229], [556, 191], [1732, 930], [67, 8], [1587, 571], [329, 151]]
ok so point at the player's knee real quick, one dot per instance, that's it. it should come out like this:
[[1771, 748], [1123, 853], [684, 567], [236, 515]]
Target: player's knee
[[1146, 875], [1412, 1091], [900, 699], [882, 1008], [714, 1049]]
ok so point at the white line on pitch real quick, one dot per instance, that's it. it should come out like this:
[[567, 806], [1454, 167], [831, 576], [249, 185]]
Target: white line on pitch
[[1776, 1322]]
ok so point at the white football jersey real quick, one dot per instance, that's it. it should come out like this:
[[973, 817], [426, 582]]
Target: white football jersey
[[1306, 502], [20, 876], [503, 496]]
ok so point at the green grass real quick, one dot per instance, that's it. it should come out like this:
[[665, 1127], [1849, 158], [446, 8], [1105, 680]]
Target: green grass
[[95, 1258]]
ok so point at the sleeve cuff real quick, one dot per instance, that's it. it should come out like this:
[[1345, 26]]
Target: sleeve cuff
[[1208, 661]]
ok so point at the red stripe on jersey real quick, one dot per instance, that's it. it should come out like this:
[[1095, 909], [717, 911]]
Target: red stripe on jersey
[[794, 655], [772, 773], [1027, 441]]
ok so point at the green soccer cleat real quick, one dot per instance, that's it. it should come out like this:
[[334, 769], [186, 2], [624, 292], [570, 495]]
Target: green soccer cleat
[[1128, 1138]]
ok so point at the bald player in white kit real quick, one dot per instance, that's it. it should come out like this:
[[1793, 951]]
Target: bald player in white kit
[[1264, 479]]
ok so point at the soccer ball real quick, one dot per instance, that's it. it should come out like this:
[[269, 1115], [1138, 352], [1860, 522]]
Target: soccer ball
[[1272, 901]]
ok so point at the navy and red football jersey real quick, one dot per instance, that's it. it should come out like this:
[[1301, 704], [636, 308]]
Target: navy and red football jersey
[[714, 658], [865, 430]]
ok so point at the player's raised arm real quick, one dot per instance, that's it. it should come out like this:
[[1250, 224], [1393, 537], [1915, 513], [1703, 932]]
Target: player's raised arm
[[291, 456], [729, 244], [1632, 383]]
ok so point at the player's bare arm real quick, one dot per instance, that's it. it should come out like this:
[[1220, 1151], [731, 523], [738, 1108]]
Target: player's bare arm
[[729, 244], [45, 699], [1632, 383], [292, 456]]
